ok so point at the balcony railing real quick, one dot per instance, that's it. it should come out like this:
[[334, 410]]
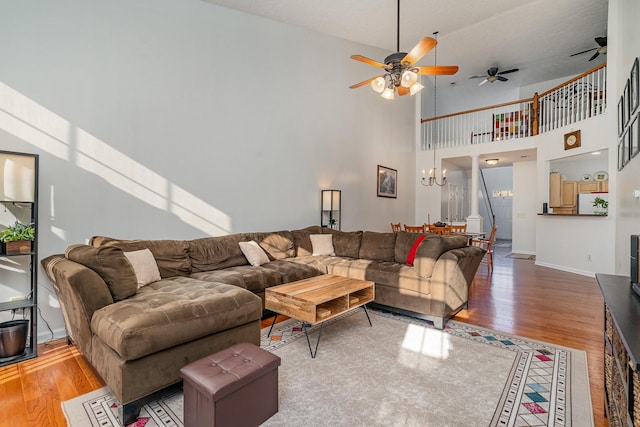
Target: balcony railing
[[577, 99]]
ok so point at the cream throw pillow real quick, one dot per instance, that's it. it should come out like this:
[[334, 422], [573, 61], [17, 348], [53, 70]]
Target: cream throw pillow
[[253, 253], [144, 265], [322, 244]]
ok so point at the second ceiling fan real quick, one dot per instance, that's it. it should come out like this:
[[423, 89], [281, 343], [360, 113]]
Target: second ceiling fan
[[400, 73], [493, 75]]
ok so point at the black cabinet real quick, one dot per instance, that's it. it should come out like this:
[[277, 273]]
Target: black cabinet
[[621, 350], [18, 268]]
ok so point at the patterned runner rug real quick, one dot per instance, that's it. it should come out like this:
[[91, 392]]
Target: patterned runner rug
[[401, 371]]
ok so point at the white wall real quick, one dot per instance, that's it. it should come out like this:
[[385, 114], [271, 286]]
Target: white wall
[[624, 40], [180, 119], [524, 208], [576, 244]]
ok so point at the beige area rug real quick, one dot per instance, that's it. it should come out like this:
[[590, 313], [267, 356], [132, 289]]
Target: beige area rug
[[400, 372]]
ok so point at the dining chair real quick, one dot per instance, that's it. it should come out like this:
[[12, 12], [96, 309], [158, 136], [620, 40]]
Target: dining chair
[[445, 229], [487, 245], [395, 227], [415, 228], [458, 228]]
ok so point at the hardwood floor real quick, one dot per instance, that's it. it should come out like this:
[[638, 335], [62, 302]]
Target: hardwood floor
[[518, 298]]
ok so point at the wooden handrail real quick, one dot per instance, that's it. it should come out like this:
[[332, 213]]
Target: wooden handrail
[[475, 110], [576, 78]]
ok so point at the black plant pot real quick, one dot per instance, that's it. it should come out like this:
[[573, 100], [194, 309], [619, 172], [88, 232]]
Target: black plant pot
[[13, 338]]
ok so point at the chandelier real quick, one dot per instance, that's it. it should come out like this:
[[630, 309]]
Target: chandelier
[[433, 173]]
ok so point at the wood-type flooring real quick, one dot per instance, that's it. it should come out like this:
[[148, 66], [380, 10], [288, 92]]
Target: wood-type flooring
[[518, 298]]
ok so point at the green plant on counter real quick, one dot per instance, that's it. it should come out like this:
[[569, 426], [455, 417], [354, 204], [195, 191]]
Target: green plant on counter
[[18, 232], [599, 202]]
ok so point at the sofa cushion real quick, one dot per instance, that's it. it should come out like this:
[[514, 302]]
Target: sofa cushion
[[384, 273], [144, 265], [302, 240], [404, 242], [171, 312], [253, 253], [290, 270], [322, 244], [432, 247], [170, 255], [111, 264], [345, 243], [254, 279], [278, 244], [378, 246], [414, 248], [214, 253]]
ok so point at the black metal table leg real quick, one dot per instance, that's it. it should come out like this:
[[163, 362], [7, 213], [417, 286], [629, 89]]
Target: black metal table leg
[[313, 353], [367, 313], [274, 322]]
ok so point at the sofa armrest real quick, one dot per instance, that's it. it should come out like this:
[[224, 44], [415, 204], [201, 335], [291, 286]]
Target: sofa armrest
[[81, 291], [452, 276]]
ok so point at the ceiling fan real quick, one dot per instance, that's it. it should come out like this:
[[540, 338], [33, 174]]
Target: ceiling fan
[[493, 75], [602, 49], [400, 74]]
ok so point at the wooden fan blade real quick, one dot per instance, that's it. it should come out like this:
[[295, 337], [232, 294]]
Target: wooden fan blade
[[368, 61], [431, 70], [402, 91], [357, 85], [513, 70], [418, 51]]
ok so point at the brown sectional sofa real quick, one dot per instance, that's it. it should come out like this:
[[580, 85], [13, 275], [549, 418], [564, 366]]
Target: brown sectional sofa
[[209, 297]]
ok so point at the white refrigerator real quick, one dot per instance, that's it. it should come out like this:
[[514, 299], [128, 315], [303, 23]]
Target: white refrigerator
[[585, 202]]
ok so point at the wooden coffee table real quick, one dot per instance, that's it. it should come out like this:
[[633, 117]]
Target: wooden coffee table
[[318, 299]]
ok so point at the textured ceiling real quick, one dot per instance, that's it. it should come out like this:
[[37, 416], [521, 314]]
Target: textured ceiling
[[537, 36]]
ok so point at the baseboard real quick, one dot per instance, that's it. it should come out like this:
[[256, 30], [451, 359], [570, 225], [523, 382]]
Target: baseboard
[[45, 336], [515, 251], [567, 269]]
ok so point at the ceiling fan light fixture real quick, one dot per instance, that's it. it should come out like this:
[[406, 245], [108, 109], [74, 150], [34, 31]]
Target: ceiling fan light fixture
[[409, 78], [388, 93], [492, 162], [415, 88], [378, 84]]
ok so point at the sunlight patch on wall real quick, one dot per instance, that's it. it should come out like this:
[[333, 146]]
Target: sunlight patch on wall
[[33, 123], [200, 214], [45, 130]]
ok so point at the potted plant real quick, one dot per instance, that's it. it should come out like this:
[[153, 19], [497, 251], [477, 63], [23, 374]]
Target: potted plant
[[332, 223], [17, 238], [601, 206]]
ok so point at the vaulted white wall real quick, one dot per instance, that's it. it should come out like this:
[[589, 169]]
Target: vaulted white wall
[[624, 39], [181, 119]]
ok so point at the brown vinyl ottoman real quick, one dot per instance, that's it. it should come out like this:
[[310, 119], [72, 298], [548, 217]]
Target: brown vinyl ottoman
[[237, 386]]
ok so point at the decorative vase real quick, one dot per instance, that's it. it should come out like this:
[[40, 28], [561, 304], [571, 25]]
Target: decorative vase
[[18, 247], [600, 211]]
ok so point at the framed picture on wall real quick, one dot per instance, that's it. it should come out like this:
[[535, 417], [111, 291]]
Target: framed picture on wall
[[387, 182], [627, 102], [626, 149], [621, 154], [635, 136], [621, 115], [634, 87]]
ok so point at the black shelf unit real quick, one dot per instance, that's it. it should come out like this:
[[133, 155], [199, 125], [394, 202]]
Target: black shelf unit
[[26, 308]]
